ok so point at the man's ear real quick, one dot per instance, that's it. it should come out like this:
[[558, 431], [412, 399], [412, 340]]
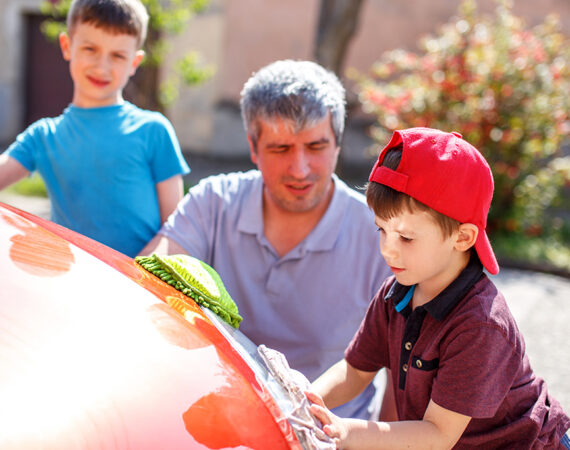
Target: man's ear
[[137, 60], [252, 150], [65, 44], [466, 236]]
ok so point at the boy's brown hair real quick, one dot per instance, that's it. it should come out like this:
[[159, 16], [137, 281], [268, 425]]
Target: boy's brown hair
[[115, 16], [387, 202], [443, 172]]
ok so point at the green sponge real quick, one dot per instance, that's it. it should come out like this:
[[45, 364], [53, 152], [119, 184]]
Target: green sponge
[[195, 279]]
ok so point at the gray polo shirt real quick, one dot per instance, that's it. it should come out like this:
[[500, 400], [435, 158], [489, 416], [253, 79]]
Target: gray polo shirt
[[308, 303]]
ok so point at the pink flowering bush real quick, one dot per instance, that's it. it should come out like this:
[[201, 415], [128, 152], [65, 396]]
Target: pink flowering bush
[[505, 88]]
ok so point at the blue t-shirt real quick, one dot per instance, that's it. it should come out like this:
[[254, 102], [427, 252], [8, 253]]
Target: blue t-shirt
[[308, 303], [100, 167]]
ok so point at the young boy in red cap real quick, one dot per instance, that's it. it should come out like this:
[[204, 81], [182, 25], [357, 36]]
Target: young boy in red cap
[[460, 373]]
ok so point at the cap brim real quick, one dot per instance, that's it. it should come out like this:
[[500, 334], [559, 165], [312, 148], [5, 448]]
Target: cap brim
[[486, 254]]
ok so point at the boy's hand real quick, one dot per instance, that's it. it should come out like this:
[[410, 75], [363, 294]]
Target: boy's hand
[[440, 428], [333, 426]]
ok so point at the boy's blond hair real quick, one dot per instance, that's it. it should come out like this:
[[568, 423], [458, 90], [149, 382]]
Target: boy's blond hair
[[116, 16]]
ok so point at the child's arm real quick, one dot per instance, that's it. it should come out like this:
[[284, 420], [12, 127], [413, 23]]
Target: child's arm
[[10, 171], [388, 411], [440, 428], [163, 246], [341, 383], [169, 193]]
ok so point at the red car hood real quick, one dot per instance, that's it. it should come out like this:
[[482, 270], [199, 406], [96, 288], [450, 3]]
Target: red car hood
[[96, 352]]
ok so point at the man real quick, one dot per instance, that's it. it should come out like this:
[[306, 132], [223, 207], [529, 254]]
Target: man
[[287, 238]]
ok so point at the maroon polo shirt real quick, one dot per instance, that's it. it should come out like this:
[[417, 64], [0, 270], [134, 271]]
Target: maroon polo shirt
[[464, 350]]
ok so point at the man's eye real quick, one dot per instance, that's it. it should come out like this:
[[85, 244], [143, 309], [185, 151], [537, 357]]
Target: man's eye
[[381, 230], [406, 239]]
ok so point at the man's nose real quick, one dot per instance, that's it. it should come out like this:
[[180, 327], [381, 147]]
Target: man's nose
[[299, 164]]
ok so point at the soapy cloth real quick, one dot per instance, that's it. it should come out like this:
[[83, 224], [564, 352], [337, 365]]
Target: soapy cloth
[[197, 280], [306, 426]]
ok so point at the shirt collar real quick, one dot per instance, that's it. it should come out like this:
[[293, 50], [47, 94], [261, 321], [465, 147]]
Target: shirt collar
[[443, 303], [324, 235]]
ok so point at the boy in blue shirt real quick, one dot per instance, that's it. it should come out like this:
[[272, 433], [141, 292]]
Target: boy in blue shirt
[[461, 376], [113, 171]]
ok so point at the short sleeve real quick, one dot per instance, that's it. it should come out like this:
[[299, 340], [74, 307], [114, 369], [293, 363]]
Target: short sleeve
[[369, 349], [194, 222], [166, 158], [477, 369], [24, 149]]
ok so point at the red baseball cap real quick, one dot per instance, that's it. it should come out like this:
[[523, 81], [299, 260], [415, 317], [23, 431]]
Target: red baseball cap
[[446, 173]]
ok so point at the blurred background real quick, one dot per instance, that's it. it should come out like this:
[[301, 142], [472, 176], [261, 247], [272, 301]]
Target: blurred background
[[497, 71]]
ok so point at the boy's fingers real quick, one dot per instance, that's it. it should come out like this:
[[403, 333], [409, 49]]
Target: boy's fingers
[[320, 413], [331, 432], [329, 426], [315, 398]]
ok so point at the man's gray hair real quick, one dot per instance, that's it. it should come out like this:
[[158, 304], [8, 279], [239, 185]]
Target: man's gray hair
[[300, 91]]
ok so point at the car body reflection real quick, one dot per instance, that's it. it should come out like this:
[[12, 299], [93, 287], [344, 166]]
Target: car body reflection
[[96, 352]]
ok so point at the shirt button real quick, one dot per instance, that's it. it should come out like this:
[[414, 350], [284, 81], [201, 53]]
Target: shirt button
[[408, 346], [418, 364], [405, 367]]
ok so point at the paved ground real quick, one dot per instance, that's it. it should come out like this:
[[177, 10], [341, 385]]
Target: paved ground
[[539, 302]]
